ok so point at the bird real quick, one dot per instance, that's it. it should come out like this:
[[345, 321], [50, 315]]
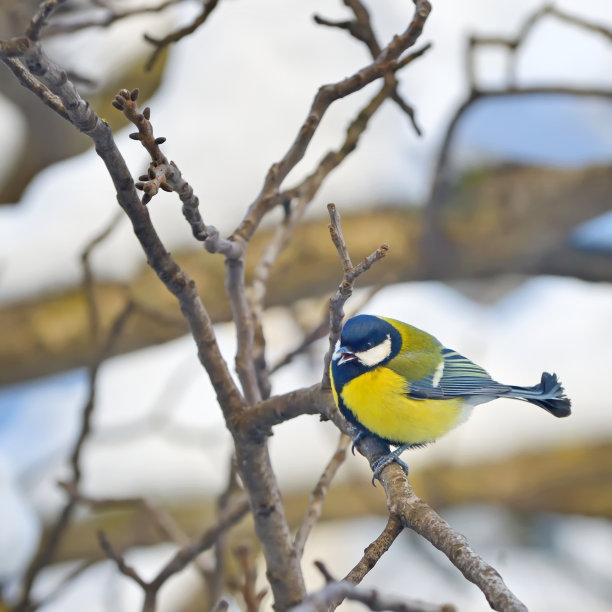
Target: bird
[[400, 384]]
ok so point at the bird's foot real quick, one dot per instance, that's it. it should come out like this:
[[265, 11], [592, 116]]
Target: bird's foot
[[393, 457]]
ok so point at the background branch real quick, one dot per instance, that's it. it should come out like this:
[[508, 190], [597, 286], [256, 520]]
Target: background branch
[[333, 591], [315, 506], [208, 6]]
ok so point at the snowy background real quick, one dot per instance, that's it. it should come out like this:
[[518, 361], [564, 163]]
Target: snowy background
[[241, 90]]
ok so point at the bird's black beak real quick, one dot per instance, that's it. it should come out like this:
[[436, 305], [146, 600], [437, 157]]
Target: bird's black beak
[[342, 355]]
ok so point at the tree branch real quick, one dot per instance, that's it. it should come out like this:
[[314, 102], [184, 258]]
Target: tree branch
[[112, 15], [361, 29], [374, 551], [179, 560], [48, 548], [327, 94], [333, 591], [208, 6], [345, 289], [418, 516], [315, 506]]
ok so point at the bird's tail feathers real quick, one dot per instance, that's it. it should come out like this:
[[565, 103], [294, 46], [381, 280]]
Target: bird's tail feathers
[[548, 394]]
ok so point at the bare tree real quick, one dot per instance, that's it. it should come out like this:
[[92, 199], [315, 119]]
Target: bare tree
[[248, 408]]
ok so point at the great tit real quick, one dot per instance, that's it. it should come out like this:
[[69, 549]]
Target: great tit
[[400, 384]]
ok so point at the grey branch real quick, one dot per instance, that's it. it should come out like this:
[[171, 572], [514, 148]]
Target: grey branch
[[321, 600], [179, 560], [102, 20]]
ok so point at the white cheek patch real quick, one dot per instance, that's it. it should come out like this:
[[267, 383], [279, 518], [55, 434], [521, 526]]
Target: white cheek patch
[[438, 374], [376, 354]]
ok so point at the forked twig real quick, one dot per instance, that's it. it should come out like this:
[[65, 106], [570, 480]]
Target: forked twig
[[184, 555]]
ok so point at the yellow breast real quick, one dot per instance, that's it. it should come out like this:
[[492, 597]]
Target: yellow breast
[[378, 401]]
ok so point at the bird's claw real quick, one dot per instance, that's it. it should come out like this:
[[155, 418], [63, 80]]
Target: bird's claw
[[380, 464], [360, 434]]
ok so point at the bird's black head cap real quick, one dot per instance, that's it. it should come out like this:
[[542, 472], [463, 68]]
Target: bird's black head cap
[[364, 332]]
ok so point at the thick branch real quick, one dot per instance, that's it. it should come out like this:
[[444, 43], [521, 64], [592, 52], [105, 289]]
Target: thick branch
[[416, 514], [280, 408], [173, 277], [271, 526]]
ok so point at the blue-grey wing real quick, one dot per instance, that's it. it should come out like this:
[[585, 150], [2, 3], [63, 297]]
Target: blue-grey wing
[[456, 376]]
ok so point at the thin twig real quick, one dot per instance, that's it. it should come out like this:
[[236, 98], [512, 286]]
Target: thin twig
[[49, 547], [371, 555], [386, 62], [322, 330], [345, 289], [324, 599], [295, 201], [185, 555], [188, 553], [248, 586], [88, 278], [163, 521], [375, 550], [165, 175], [245, 332], [39, 20], [215, 577], [161, 43], [361, 29], [122, 566], [102, 20], [315, 506]]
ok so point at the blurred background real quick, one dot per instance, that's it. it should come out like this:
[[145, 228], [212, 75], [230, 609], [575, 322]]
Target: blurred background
[[500, 241]]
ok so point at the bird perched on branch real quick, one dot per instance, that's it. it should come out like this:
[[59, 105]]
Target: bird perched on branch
[[401, 385]]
